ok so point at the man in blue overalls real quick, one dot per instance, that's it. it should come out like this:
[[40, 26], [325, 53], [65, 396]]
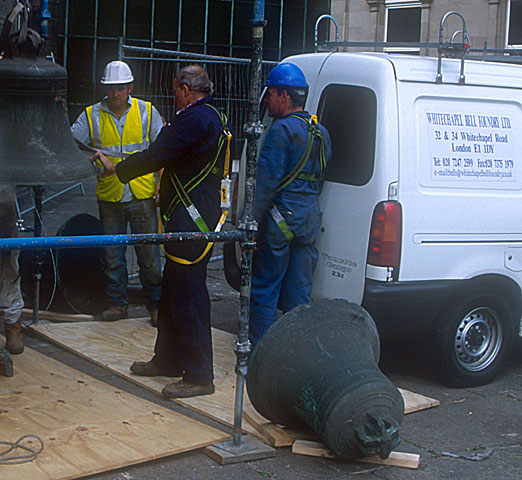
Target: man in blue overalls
[[290, 172]]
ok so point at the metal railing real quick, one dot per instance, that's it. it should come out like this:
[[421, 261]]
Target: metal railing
[[451, 48], [154, 70]]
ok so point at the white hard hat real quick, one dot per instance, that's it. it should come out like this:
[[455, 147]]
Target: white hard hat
[[117, 73]]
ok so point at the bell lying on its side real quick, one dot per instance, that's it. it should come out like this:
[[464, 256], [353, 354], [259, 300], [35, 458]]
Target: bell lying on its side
[[318, 366]]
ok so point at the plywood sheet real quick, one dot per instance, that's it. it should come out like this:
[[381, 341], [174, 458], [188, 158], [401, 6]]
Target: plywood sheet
[[27, 313], [86, 425], [116, 345]]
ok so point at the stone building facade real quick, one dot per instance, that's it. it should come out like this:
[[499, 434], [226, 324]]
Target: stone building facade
[[497, 23]]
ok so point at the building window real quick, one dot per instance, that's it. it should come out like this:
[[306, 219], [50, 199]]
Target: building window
[[514, 23], [403, 24]]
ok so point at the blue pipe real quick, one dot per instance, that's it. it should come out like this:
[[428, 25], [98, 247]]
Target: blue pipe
[[45, 15], [32, 243], [259, 13]]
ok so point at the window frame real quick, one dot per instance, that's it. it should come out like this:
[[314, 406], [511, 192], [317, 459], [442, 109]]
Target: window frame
[[508, 21], [395, 5]]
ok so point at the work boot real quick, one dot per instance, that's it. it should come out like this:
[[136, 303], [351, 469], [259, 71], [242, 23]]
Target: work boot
[[184, 389], [154, 318], [13, 336], [111, 315], [150, 369], [6, 363]]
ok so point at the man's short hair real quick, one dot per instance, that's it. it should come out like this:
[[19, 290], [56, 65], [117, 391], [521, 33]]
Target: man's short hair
[[196, 78], [297, 94]]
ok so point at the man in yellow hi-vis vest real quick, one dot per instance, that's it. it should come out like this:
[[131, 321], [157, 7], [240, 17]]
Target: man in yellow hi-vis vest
[[120, 125]]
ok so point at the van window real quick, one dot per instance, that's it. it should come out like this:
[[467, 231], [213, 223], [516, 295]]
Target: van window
[[349, 113]]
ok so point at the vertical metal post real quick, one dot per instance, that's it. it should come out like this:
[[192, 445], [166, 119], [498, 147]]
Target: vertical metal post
[[152, 21], [205, 33], [229, 105], [253, 130], [305, 17], [180, 13], [280, 44], [124, 33], [95, 51], [38, 262], [66, 35]]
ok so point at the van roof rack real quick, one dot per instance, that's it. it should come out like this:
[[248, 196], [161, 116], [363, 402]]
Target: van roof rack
[[448, 49]]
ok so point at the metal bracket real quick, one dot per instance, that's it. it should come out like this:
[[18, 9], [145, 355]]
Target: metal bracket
[[316, 31], [249, 225], [452, 49], [254, 129]]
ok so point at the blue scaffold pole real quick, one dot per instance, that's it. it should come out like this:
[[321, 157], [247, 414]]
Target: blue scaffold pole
[[33, 243]]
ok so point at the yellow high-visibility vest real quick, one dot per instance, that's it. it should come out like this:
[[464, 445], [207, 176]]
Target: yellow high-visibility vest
[[105, 135]]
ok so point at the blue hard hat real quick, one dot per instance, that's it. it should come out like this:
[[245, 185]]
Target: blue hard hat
[[286, 74]]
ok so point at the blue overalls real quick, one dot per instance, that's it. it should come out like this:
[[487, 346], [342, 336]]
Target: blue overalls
[[283, 268]]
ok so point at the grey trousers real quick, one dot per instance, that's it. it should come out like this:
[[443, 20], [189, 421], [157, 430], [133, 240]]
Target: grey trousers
[[11, 302]]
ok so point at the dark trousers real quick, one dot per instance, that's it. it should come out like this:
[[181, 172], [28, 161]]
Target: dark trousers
[[184, 338]]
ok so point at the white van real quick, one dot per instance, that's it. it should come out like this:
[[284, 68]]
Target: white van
[[422, 203]]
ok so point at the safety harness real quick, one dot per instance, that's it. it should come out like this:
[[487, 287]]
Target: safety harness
[[182, 191], [296, 172]]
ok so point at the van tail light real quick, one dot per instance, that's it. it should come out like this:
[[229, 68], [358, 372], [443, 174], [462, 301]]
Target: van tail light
[[385, 235]]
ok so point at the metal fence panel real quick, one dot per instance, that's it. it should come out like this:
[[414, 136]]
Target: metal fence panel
[[154, 70]]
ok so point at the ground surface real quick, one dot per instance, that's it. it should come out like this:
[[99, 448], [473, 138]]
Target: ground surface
[[467, 421]]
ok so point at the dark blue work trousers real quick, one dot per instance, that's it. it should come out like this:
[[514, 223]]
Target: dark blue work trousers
[[184, 339]]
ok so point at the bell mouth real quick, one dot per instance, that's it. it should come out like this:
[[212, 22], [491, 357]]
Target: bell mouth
[[372, 427]]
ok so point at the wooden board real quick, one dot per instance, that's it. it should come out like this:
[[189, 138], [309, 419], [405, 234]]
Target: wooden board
[[270, 432], [413, 402], [86, 425], [116, 345], [396, 459], [27, 313]]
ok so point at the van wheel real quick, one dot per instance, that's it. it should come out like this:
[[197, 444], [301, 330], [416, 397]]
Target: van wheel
[[473, 338]]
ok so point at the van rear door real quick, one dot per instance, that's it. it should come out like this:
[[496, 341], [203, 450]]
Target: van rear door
[[355, 98]]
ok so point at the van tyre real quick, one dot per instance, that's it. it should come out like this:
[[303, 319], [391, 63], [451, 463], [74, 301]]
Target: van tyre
[[472, 339]]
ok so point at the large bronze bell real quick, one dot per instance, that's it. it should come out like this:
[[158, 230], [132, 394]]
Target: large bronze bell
[[317, 367], [36, 144]]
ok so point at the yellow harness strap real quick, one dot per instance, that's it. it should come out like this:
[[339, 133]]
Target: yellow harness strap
[[183, 261]]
